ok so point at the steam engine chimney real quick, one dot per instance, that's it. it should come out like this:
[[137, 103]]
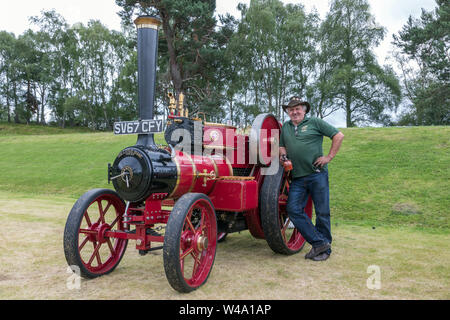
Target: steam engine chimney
[[147, 51]]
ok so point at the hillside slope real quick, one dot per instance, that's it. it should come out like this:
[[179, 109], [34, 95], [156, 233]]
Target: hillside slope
[[393, 175], [381, 176]]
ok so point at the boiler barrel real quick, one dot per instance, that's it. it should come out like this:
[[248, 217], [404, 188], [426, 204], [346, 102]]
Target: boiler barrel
[[139, 171], [198, 173]]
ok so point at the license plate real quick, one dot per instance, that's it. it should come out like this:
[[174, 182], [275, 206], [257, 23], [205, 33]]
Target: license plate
[[138, 127]]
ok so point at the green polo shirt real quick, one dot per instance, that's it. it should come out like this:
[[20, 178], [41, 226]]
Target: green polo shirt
[[305, 147]]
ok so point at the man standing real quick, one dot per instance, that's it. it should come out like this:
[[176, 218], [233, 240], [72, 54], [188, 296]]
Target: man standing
[[301, 141]]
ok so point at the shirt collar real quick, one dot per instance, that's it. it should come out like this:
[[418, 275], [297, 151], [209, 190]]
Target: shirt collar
[[304, 120]]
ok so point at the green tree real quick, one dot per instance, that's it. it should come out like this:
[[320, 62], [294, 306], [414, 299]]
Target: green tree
[[274, 46], [88, 71], [124, 99], [7, 72], [190, 47], [423, 56], [320, 91], [59, 45], [360, 86], [229, 68], [18, 72], [97, 72], [29, 60]]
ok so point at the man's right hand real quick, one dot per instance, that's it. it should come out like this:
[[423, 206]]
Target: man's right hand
[[283, 153]]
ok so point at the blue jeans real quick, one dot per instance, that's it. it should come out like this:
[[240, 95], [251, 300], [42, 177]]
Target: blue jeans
[[317, 186]]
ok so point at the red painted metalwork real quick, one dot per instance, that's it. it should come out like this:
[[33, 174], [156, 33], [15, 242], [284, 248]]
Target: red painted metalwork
[[102, 216], [292, 237], [210, 174], [227, 176], [198, 173], [253, 217], [244, 195], [198, 244]]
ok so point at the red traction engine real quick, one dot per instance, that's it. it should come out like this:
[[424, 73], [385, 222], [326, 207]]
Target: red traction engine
[[186, 198]]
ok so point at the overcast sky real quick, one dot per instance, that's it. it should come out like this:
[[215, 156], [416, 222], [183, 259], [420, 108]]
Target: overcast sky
[[392, 14], [14, 15]]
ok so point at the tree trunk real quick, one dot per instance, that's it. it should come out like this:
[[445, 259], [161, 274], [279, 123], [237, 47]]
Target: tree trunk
[[28, 108], [175, 72], [43, 107], [231, 111], [348, 111], [41, 111], [105, 111], [319, 111], [7, 100], [38, 112], [16, 105]]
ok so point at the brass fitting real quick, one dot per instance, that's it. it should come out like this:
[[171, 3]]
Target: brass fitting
[[147, 22], [172, 103], [181, 104]]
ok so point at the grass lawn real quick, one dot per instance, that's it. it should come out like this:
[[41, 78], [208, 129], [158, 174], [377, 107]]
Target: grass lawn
[[412, 264], [393, 176], [390, 208]]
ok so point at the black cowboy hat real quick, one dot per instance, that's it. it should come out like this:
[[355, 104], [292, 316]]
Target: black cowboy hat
[[296, 101]]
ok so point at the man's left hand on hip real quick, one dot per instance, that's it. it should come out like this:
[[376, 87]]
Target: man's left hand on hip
[[321, 161]]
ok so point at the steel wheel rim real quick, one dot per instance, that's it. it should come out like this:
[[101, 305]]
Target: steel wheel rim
[[198, 242], [261, 128], [99, 253]]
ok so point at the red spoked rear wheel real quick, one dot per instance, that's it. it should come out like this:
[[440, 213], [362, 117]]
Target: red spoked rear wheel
[[292, 238], [279, 233], [190, 242], [86, 245]]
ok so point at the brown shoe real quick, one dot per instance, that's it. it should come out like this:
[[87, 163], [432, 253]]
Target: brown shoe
[[315, 251], [321, 257]]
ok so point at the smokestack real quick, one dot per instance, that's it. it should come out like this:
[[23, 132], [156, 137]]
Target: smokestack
[[147, 50]]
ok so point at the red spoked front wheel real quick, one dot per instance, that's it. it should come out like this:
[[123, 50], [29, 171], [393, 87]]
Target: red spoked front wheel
[[190, 242], [86, 245]]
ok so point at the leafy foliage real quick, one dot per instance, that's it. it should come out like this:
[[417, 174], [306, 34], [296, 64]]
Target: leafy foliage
[[231, 69], [73, 72], [191, 46], [358, 84], [425, 44]]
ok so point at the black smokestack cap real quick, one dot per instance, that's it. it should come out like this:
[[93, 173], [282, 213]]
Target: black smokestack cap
[[147, 46]]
